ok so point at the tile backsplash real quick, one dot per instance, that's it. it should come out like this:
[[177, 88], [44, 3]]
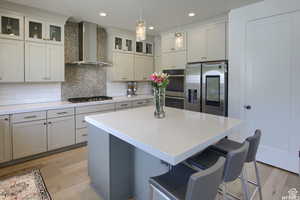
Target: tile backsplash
[[84, 80], [19, 93]]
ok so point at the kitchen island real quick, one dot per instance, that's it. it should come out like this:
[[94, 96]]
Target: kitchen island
[[125, 148]]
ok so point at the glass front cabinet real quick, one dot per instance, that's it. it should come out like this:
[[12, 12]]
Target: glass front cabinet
[[123, 44], [41, 31], [11, 26], [144, 48]]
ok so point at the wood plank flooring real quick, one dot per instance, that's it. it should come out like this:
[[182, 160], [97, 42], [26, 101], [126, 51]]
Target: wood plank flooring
[[66, 177]]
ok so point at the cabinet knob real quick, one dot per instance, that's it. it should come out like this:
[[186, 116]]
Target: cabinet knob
[[6, 119], [49, 122], [247, 107], [45, 123]]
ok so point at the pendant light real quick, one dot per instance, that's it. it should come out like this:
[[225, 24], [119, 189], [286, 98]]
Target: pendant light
[[140, 29]]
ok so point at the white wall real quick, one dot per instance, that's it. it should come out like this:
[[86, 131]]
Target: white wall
[[19, 93]]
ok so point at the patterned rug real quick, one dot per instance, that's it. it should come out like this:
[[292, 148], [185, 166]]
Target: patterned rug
[[28, 185]]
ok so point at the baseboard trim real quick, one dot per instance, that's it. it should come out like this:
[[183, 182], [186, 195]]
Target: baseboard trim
[[48, 153]]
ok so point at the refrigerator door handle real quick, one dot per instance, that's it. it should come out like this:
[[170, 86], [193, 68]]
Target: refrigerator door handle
[[189, 95], [195, 95]]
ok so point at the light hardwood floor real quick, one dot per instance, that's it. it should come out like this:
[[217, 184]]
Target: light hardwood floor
[[66, 177]]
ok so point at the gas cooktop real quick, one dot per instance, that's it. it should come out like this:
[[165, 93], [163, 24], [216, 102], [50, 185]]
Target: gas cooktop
[[89, 99]]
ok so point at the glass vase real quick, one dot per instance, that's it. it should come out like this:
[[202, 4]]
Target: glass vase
[[159, 102]]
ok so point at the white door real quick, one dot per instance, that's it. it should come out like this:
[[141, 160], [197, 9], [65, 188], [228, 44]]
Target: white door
[[197, 45], [55, 70], [61, 132], [29, 138], [143, 67], [123, 66], [5, 140], [216, 42], [272, 90], [35, 62], [12, 60]]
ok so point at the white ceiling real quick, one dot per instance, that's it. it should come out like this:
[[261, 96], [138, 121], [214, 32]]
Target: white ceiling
[[162, 14]]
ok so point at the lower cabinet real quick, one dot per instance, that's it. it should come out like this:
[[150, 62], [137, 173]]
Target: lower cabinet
[[5, 139], [29, 138], [61, 132]]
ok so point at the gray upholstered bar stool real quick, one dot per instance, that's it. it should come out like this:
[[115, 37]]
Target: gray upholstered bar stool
[[233, 166], [185, 183], [225, 145]]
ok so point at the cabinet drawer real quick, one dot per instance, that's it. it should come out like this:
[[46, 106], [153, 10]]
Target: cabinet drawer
[[81, 123], [144, 102], [31, 116], [123, 105], [60, 112], [95, 108], [81, 135], [4, 117]]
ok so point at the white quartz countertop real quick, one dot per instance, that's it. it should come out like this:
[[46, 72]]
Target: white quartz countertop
[[20, 108], [172, 139]]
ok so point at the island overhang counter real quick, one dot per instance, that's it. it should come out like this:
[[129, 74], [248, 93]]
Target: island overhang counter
[[127, 147]]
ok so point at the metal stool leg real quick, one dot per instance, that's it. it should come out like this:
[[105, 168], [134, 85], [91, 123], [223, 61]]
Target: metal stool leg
[[245, 185], [258, 180], [224, 193]]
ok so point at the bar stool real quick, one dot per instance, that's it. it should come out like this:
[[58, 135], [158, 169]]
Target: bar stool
[[185, 183], [225, 145], [233, 166]]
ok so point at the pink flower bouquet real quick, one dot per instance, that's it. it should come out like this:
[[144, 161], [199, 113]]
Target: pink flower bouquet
[[159, 80]]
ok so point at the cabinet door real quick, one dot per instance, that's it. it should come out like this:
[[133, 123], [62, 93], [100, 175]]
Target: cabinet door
[[197, 45], [168, 42], [12, 61], [179, 41], [216, 42], [5, 140], [29, 138], [61, 132], [166, 60], [143, 67], [179, 59], [35, 62], [35, 30], [11, 26], [123, 66], [54, 33], [55, 67]]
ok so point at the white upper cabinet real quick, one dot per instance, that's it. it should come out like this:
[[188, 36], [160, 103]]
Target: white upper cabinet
[[144, 48], [11, 26], [123, 44], [123, 66], [143, 67], [207, 43], [35, 62], [216, 42], [44, 62], [173, 60], [12, 61], [173, 42], [197, 45], [43, 31], [35, 30], [55, 67]]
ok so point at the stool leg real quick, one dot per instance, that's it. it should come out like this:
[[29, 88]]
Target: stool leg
[[258, 180], [244, 183], [224, 193]]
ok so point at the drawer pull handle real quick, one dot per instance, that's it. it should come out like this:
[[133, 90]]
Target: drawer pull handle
[[83, 121], [123, 105], [49, 122], [140, 103], [45, 123], [30, 117], [62, 113], [6, 119], [84, 135]]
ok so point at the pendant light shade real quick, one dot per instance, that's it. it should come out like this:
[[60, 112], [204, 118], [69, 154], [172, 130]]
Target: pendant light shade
[[140, 30]]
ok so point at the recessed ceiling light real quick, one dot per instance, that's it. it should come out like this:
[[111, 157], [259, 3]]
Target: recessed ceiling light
[[151, 27], [191, 14], [103, 14]]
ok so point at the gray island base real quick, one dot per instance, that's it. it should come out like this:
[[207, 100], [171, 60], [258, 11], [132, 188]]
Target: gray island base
[[125, 148]]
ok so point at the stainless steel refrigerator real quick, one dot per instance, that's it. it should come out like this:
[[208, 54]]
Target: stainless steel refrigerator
[[206, 87]]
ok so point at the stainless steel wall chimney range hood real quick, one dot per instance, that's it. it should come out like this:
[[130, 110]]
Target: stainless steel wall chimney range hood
[[90, 45]]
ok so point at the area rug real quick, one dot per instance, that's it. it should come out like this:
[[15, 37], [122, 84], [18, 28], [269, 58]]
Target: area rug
[[26, 185]]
